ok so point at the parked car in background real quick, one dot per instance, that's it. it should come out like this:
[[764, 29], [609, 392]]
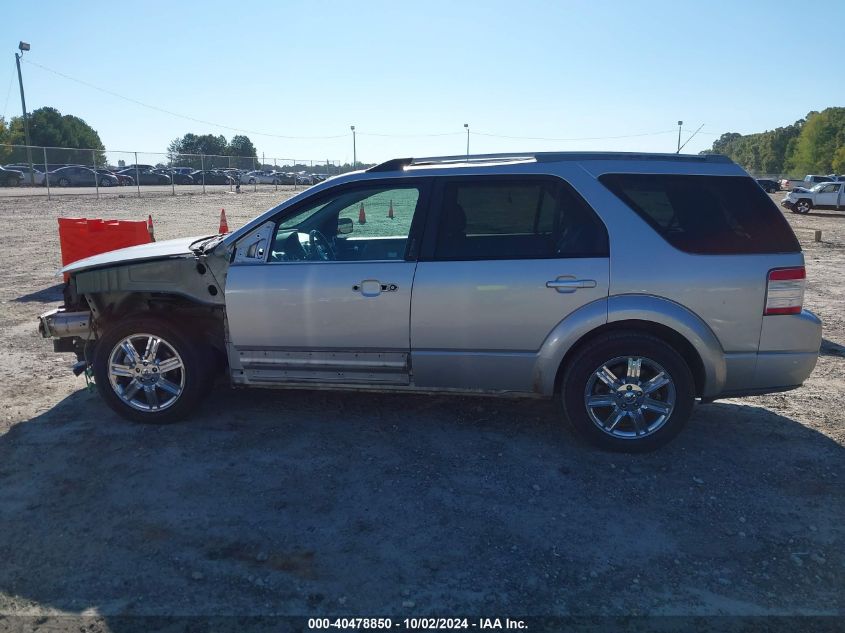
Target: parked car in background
[[806, 182], [261, 178], [10, 177], [178, 177], [825, 195], [37, 174], [212, 177], [769, 186], [75, 176], [511, 275], [146, 177], [304, 179], [122, 179]]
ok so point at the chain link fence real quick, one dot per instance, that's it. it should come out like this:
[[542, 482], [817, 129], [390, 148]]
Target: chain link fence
[[52, 171]]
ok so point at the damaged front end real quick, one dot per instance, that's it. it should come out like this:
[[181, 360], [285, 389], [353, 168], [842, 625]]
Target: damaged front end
[[172, 280]]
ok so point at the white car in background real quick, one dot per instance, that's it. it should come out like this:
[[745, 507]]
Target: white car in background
[[825, 195], [25, 170], [261, 178]]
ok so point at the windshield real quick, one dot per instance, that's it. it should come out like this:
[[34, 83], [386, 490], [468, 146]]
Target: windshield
[[818, 186]]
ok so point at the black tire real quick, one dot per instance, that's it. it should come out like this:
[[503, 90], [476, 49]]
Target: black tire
[[613, 346], [196, 363], [802, 206]]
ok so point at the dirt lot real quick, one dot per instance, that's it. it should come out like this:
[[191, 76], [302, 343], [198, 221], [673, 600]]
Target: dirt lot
[[311, 503]]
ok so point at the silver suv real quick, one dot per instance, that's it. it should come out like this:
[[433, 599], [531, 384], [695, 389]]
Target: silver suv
[[627, 285]]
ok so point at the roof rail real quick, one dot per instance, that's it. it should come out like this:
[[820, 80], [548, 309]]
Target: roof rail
[[396, 164]]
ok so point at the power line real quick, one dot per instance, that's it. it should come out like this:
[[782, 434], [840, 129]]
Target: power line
[[176, 114], [8, 91], [583, 138], [333, 136]]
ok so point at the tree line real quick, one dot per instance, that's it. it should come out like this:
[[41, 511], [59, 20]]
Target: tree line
[[812, 145]]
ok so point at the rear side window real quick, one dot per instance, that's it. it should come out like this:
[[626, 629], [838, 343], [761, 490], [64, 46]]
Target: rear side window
[[707, 215], [494, 218]]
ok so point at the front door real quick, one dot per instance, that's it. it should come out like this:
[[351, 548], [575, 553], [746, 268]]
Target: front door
[[827, 195], [329, 301], [509, 259]]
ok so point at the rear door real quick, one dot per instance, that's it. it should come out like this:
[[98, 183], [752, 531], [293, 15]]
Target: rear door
[[505, 259]]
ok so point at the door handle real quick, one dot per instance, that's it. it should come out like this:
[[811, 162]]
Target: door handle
[[570, 285], [374, 287]]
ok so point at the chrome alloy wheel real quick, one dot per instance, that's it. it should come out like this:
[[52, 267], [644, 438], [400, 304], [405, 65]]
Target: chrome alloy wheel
[[146, 372], [630, 397]]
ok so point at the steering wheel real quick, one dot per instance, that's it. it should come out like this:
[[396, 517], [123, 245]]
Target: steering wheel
[[320, 247]]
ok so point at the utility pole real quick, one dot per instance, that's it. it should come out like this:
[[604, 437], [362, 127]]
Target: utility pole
[[24, 46], [680, 123], [466, 125], [354, 150]]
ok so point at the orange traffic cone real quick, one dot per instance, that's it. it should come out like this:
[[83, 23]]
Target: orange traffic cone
[[150, 228], [390, 210], [224, 225], [362, 217]]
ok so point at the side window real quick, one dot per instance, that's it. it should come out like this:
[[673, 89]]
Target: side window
[[387, 213], [829, 189], [492, 218], [707, 215], [359, 224]]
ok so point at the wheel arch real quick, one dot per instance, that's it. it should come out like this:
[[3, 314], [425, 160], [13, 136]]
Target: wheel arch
[[687, 333], [205, 322]]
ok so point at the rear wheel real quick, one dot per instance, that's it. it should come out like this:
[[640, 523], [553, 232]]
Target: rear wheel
[[803, 206], [148, 370], [64, 182], [628, 392]]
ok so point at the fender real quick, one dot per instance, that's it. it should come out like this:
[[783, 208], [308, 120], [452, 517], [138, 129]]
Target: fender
[[631, 307], [185, 277], [562, 338]]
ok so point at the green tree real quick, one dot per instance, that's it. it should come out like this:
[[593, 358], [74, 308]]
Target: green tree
[[70, 134], [5, 152], [240, 145], [762, 153], [838, 162], [195, 145], [820, 139]]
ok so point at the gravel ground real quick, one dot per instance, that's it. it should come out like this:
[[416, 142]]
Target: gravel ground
[[312, 503]]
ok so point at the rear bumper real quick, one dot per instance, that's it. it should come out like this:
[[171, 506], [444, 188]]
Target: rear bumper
[[787, 355]]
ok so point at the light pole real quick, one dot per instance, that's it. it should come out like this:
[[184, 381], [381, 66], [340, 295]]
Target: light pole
[[354, 150], [466, 125], [680, 123], [24, 46]]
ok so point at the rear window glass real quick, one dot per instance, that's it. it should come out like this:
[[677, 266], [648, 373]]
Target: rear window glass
[[707, 215]]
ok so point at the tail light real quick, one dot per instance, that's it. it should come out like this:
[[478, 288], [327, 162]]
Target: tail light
[[785, 290]]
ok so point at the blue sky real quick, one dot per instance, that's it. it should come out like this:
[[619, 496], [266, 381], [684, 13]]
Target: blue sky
[[558, 70]]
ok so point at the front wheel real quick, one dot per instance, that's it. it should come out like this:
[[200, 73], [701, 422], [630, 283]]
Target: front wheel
[[803, 206], [147, 370], [628, 392]]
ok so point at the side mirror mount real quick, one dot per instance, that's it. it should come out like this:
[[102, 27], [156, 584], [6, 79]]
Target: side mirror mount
[[345, 226]]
